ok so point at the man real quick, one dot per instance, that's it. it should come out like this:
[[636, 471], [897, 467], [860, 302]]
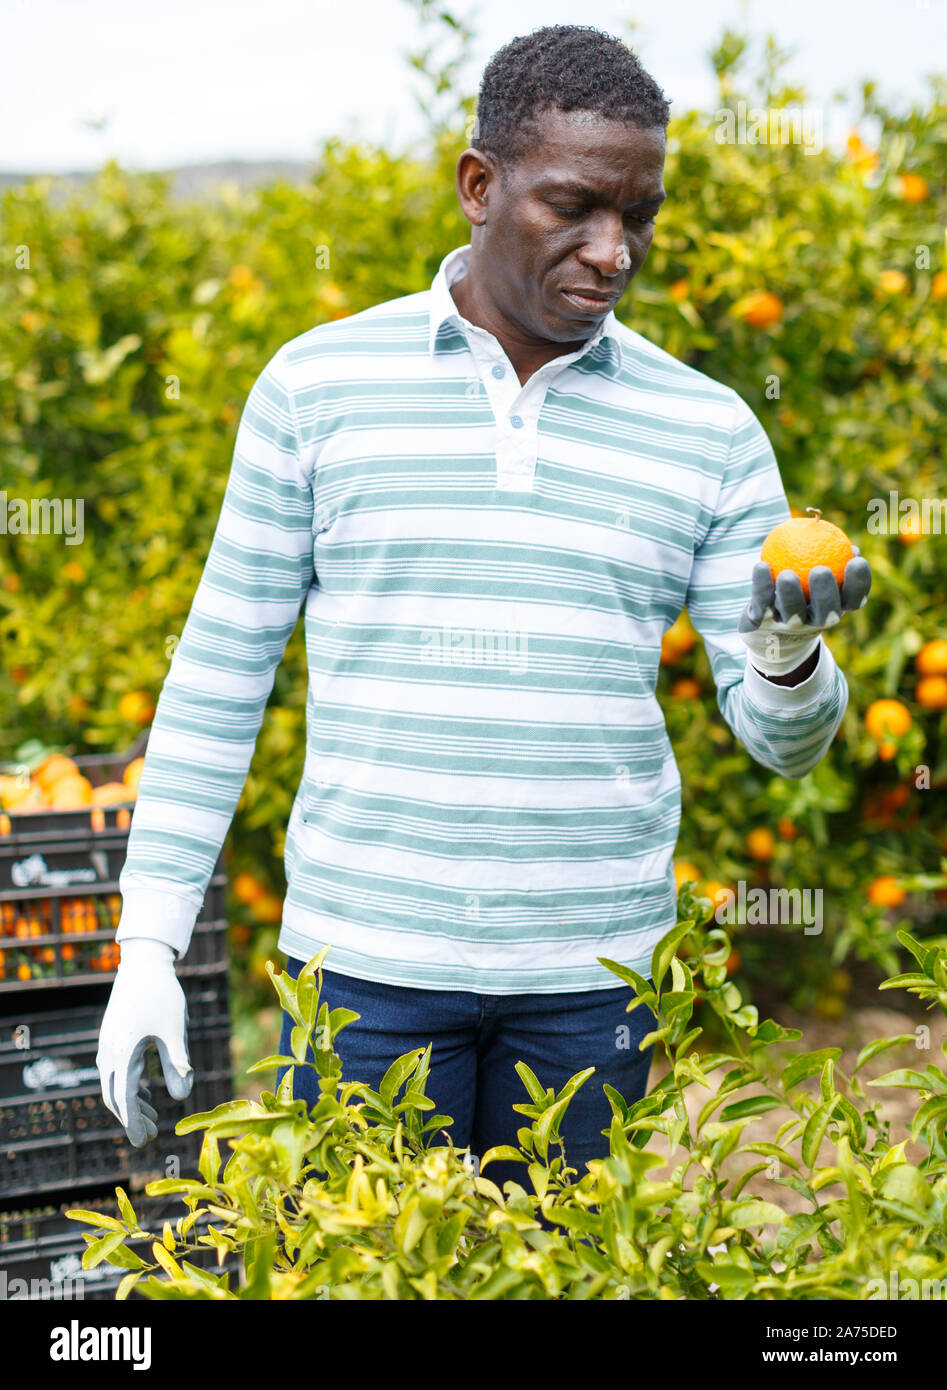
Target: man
[[492, 499]]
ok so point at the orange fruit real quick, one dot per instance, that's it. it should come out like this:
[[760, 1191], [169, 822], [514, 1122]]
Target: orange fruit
[[684, 871], [110, 794], [892, 281], [881, 806], [72, 572], [939, 285], [679, 639], [23, 972], [241, 277], [686, 689], [132, 775], [762, 309], [269, 908], [912, 188], [17, 798], [787, 831], [52, 768], [137, 707], [11, 582], [70, 793], [804, 542], [860, 154], [931, 660], [887, 719], [931, 692], [679, 290], [895, 797], [886, 891], [761, 843], [716, 891], [909, 530], [733, 962], [248, 889]]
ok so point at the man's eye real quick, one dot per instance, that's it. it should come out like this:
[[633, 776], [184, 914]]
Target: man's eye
[[646, 220], [569, 212]]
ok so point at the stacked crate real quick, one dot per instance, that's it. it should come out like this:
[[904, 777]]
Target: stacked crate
[[59, 1145]]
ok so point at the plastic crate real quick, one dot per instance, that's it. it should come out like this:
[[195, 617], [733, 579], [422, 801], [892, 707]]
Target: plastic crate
[[59, 897], [44, 1248], [60, 906], [55, 1130]]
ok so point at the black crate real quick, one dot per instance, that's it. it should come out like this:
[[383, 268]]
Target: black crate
[[55, 933], [43, 1248], [56, 1132], [98, 768], [59, 897]]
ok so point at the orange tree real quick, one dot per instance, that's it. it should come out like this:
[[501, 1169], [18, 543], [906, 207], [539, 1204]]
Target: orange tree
[[812, 281]]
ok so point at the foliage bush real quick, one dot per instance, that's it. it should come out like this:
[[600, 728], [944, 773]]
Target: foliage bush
[[365, 1196], [131, 335]]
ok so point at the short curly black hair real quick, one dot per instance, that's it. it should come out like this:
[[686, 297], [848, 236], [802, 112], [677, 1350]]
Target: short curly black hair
[[571, 67]]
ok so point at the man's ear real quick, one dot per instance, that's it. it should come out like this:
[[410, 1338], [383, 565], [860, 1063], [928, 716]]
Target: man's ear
[[476, 172]]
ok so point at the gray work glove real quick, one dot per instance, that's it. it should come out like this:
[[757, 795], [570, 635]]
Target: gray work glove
[[146, 1005], [780, 629]]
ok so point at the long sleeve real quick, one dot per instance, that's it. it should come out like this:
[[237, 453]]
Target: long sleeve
[[785, 728], [257, 575]]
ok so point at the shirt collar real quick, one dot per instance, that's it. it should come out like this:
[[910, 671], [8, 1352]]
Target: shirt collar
[[605, 342]]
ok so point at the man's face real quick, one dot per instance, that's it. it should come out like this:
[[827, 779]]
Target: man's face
[[574, 217]]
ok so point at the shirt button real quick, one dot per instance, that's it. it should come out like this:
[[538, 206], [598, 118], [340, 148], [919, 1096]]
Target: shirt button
[[516, 421], [499, 371]]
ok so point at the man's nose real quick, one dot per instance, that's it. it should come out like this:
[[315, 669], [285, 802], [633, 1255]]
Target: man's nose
[[606, 250]]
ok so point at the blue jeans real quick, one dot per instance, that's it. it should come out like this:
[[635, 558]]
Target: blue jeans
[[476, 1041]]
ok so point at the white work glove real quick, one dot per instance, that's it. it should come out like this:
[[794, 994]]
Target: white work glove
[[146, 1005], [780, 629]]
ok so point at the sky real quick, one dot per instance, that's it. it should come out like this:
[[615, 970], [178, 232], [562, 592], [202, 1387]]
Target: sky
[[192, 81]]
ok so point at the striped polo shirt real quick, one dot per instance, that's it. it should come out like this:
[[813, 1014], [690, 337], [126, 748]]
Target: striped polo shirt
[[490, 801]]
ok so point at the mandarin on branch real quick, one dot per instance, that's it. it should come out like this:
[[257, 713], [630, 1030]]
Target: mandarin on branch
[[804, 542]]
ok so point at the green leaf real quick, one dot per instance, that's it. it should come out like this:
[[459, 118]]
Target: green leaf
[[879, 1045], [97, 1250], [814, 1132], [400, 1069], [537, 1093], [664, 950], [269, 1063], [624, 972], [807, 1064], [753, 1105], [502, 1152], [95, 1218], [126, 1285], [126, 1208], [755, 1213], [125, 1258]]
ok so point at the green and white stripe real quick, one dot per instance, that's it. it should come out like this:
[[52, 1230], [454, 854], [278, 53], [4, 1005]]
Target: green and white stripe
[[490, 801]]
